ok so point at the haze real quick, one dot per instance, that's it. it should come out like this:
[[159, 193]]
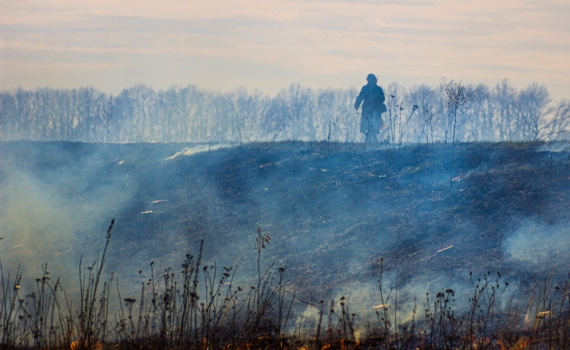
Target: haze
[[268, 44]]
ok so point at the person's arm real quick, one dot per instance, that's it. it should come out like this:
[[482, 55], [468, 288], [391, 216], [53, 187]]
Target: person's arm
[[359, 99], [382, 97]]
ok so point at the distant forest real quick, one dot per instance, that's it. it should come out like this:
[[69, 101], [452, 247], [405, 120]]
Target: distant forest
[[450, 112]]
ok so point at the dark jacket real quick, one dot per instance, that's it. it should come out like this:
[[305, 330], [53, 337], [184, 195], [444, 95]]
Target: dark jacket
[[373, 97]]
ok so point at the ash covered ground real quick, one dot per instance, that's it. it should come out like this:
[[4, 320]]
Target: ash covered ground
[[332, 211]]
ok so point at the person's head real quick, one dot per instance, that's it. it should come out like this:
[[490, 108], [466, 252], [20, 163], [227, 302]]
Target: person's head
[[371, 79]]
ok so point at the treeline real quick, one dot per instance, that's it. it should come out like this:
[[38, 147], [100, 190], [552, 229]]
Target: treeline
[[450, 112]]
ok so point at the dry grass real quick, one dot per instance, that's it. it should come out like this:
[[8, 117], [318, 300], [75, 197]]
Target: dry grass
[[200, 307]]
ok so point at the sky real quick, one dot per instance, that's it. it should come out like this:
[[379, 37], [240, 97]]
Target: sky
[[268, 44]]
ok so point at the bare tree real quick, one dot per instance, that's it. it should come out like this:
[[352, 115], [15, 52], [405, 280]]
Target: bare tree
[[456, 99], [504, 96], [141, 114], [557, 127], [249, 109], [481, 124], [425, 97], [300, 102], [531, 108], [276, 118]]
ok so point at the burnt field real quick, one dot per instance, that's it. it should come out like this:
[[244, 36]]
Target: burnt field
[[333, 212]]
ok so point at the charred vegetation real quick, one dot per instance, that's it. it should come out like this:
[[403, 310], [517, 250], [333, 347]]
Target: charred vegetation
[[338, 219]]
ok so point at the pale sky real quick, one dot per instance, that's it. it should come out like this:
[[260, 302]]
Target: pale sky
[[268, 44]]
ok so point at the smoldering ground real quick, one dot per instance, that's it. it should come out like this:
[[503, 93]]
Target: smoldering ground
[[332, 211]]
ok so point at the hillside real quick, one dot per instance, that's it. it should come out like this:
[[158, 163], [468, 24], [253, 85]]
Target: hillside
[[332, 210]]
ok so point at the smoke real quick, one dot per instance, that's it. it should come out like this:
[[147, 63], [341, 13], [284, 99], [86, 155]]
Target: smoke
[[538, 245], [37, 228], [402, 301], [331, 217], [556, 147], [55, 210], [188, 151]]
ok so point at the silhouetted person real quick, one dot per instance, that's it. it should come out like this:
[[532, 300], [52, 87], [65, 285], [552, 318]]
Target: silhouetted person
[[372, 108]]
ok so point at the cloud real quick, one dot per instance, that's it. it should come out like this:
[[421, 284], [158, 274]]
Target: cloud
[[412, 41]]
